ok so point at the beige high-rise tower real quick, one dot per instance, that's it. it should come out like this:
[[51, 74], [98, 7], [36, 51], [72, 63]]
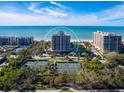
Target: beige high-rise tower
[[105, 41]]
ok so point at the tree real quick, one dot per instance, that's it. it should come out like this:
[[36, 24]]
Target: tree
[[58, 80], [112, 56], [114, 59], [17, 79], [87, 44]]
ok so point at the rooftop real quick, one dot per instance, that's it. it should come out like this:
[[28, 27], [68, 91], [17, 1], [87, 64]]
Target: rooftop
[[107, 33], [61, 33]]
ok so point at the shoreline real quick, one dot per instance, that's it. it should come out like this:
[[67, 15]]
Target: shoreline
[[73, 40]]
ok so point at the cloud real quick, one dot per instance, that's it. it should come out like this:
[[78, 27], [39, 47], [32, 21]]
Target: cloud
[[57, 4], [48, 10], [51, 15], [53, 12], [32, 8], [112, 14], [25, 19]]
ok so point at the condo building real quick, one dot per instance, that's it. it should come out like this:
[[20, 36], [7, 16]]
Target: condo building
[[24, 40], [61, 42], [105, 41], [4, 40]]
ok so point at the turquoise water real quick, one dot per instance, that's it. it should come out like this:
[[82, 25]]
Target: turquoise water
[[41, 32]]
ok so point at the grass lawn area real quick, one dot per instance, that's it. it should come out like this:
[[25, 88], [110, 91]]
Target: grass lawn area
[[40, 58], [53, 60]]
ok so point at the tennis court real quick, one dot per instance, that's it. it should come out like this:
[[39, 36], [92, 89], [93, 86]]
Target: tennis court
[[69, 67], [38, 65]]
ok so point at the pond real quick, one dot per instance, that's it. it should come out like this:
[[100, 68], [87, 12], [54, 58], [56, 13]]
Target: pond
[[37, 65]]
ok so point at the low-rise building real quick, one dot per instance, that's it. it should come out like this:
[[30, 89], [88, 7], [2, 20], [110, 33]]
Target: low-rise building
[[24, 40], [4, 40]]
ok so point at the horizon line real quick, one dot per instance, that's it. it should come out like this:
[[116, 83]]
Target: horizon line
[[66, 25]]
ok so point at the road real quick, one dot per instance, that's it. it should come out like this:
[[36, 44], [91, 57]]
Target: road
[[96, 52]]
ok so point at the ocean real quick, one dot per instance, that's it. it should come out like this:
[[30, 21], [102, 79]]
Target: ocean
[[45, 32]]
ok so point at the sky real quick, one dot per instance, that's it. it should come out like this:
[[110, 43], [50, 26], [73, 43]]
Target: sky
[[67, 13]]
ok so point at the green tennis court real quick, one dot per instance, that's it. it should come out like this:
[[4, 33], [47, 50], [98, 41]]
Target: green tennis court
[[69, 67], [38, 65]]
